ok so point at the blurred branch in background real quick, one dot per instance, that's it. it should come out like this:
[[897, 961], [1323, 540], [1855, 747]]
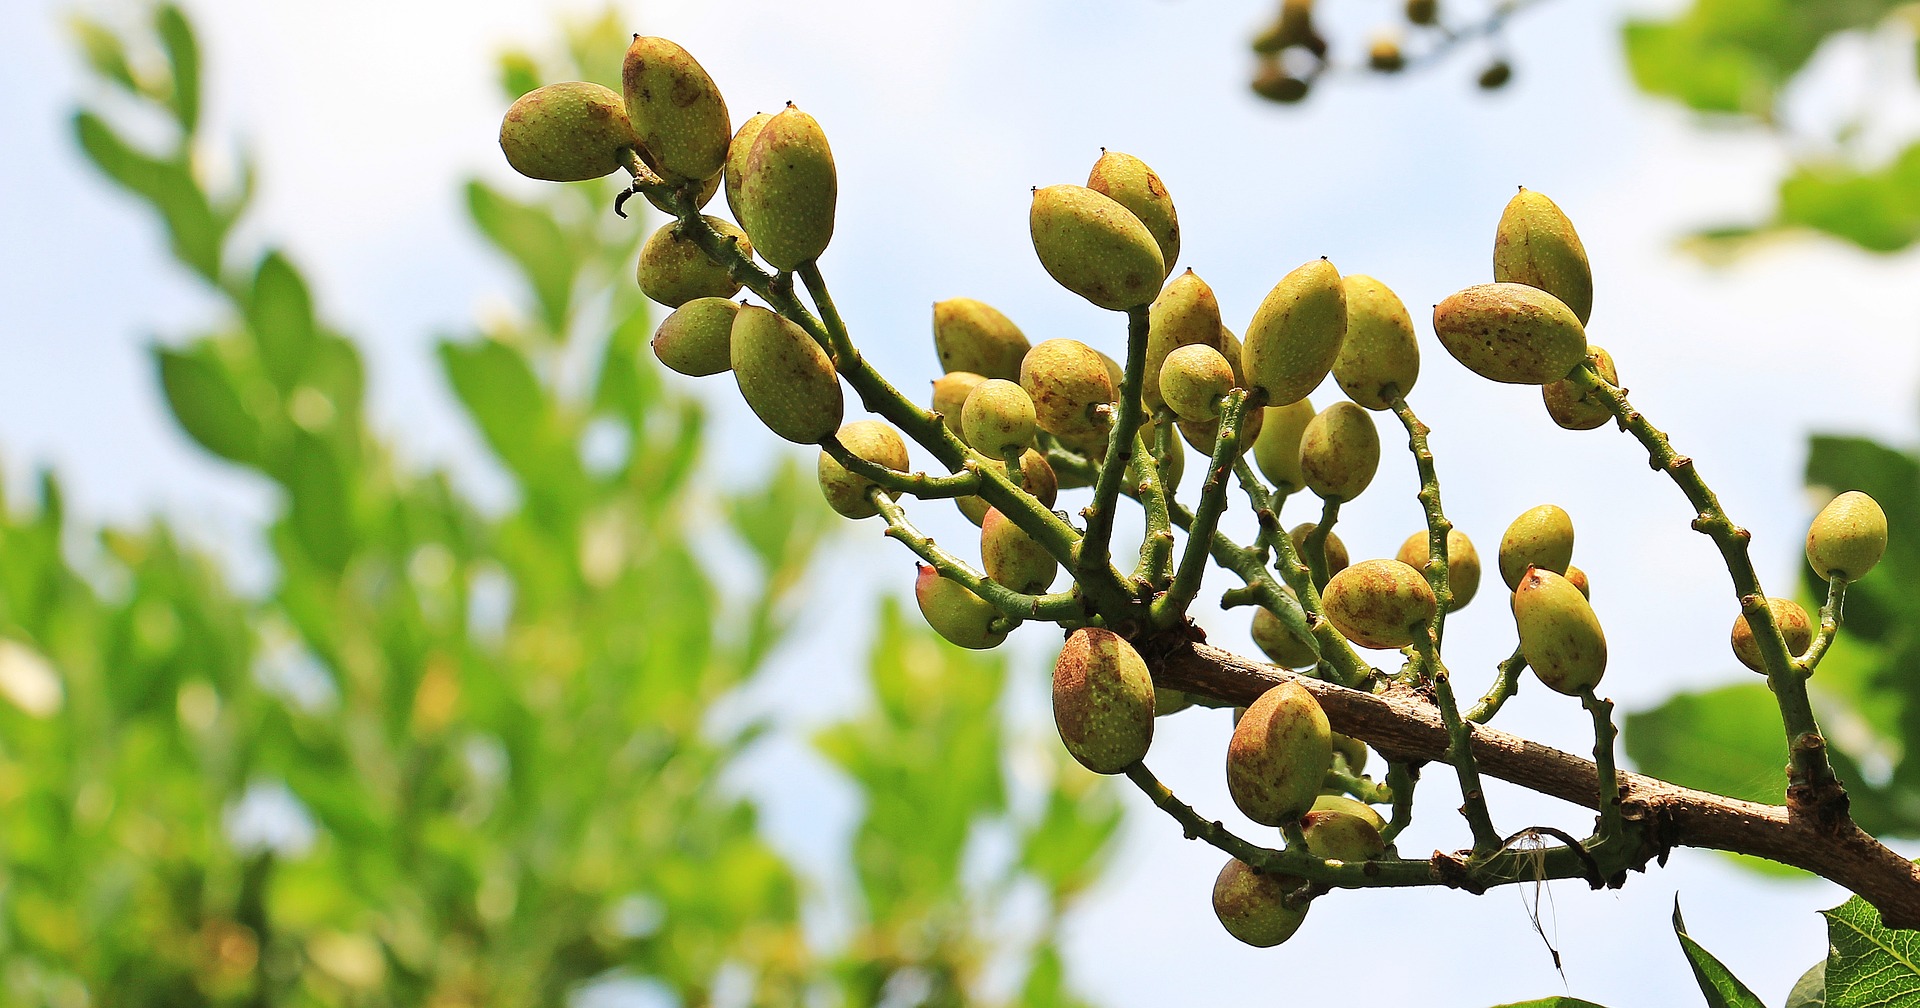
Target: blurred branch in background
[[453, 754]]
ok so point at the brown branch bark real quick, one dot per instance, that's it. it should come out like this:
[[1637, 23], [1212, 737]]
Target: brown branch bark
[[1403, 725]]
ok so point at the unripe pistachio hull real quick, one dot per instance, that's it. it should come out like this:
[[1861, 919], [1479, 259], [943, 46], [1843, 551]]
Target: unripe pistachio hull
[[1379, 357], [1103, 700], [1280, 644], [1128, 181], [1379, 603], [971, 335], [1559, 634], [1014, 558], [1511, 333], [1251, 905], [1463, 563], [566, 132], [960, 616], [1277, 450], [785, 377], [1280, 752], [1067, 381], [1541, 537], [1535, 245], [675, 109], [696, 340], [1095, 247], [1794, 626], [1185, 314], [788, 190], [1192, 379], [1575, 410], [674, 270], [1342, 836], [874, 441], [1339, 452], [1847, 537], [1295, 335]]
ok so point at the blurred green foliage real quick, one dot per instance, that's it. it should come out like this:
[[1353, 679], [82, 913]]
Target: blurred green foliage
[[455, 755]]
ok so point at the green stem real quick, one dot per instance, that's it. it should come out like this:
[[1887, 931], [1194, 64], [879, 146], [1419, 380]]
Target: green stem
[[1603, 737], [1401, 779], [1095, 565], [1437, 524], [1829, 626], [1336, 652], [1504, 685], [1361, 788], [1156, 550], [1313, 549], [1810, 778], [1064, 608], [1171, 607], [1459, 747], [966, 481]]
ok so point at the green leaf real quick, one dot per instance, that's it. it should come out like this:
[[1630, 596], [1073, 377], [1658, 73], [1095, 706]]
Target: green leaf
[[1723, 740], [1869, 965], [280, 318], [104, 51], [320, 502], [1718, 984], [206, 402], [535, 242], [1810, 991], [183, 56], [502, 394], [1552, 1002], [1877, 209], [518, 74], [197, 233]]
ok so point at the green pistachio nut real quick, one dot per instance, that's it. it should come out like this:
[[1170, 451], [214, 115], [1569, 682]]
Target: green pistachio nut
[[1511, 333], [566, 132], [1103, 700], [1336, 551], [1379, 604], [998, 418], [738, 150], [1339, 452], [1095, 247], [1342, 836], [675, 109], [1342, 803], [1252, 906], [1379, 357], [1231, 349], [1280, 752], [1277, 450], [697, 339], [1463, 564], [1578, 578], [1559, 634], [1847, 537], [1541, 537], [785, 376], [1577, 410], [673, 270], [1185, 314], [1014, 558], [1169, 701], [788, 189], [1192, 379], [955, 613], [1795, 628], [1295, 334], [1535, 245], [1068, 382], [950, 392], [1280, 644], [1128, 181], [973, 336], [1352, 750], [874, 441]]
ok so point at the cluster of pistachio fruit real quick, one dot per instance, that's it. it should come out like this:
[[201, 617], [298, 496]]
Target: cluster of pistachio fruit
[[1016, 423], [1292, 53]]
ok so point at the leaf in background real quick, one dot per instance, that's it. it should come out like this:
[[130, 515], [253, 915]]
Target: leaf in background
[[320, 502], [1723, 740], [1067, 847], [502, 395], [205, 401], [1046, 984], [518, 74], [1877, 209], [1718, 984], [1552, 1002], [529, 236], [1885, 598], [1868, 965], [1736, 55], [196, 232], [1810, 991], [106, 55], [183, 56], [280, 317]]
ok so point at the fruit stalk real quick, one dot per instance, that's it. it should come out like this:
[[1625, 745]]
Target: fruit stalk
[[1811, 785], [1437, 524], [919, 484], [1829, 625], [1171, 607], [1505, 684], [1604, 733], [1064, 607], [1401, 778], [1336, 653], [1094, 566], [1314, 549], [1156, 550]]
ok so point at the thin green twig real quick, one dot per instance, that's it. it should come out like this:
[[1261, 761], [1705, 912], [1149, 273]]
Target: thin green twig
[[1829, 626]]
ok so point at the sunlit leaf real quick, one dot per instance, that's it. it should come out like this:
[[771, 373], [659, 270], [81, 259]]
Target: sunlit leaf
[[1717, 984], [1868, 964]]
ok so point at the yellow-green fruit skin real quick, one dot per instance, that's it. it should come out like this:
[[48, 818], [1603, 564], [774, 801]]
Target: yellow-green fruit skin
[[1336, 551], [1095, 247], [1280, 644], [1535, 245], [1510, 333], [788, 190], [675, 109], [1204, 434], [974, 336], [1559, 634], [566, 132], [960, 616], [1847, 537], [1339, 452], [1014, 558], [1295, 334], [1578, 578], [950, 392], [1277, 450], [696, 340], [1103, 700], [1794, 626], [1342, 803], [738, 151], [1342, 836], [1169, 701], [874, 441], [997, 419], [785, 377], [1541, 537], [1280, 752], [1185, 314], [1463, 564], [1128, 181], [1576, 410], [1252, 907], [673, 270], [1067, 381], [1379, 603], [1192, 379], [1379, 358]]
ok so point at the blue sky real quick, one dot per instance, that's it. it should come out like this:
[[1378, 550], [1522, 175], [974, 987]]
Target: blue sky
[[365, 115]]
